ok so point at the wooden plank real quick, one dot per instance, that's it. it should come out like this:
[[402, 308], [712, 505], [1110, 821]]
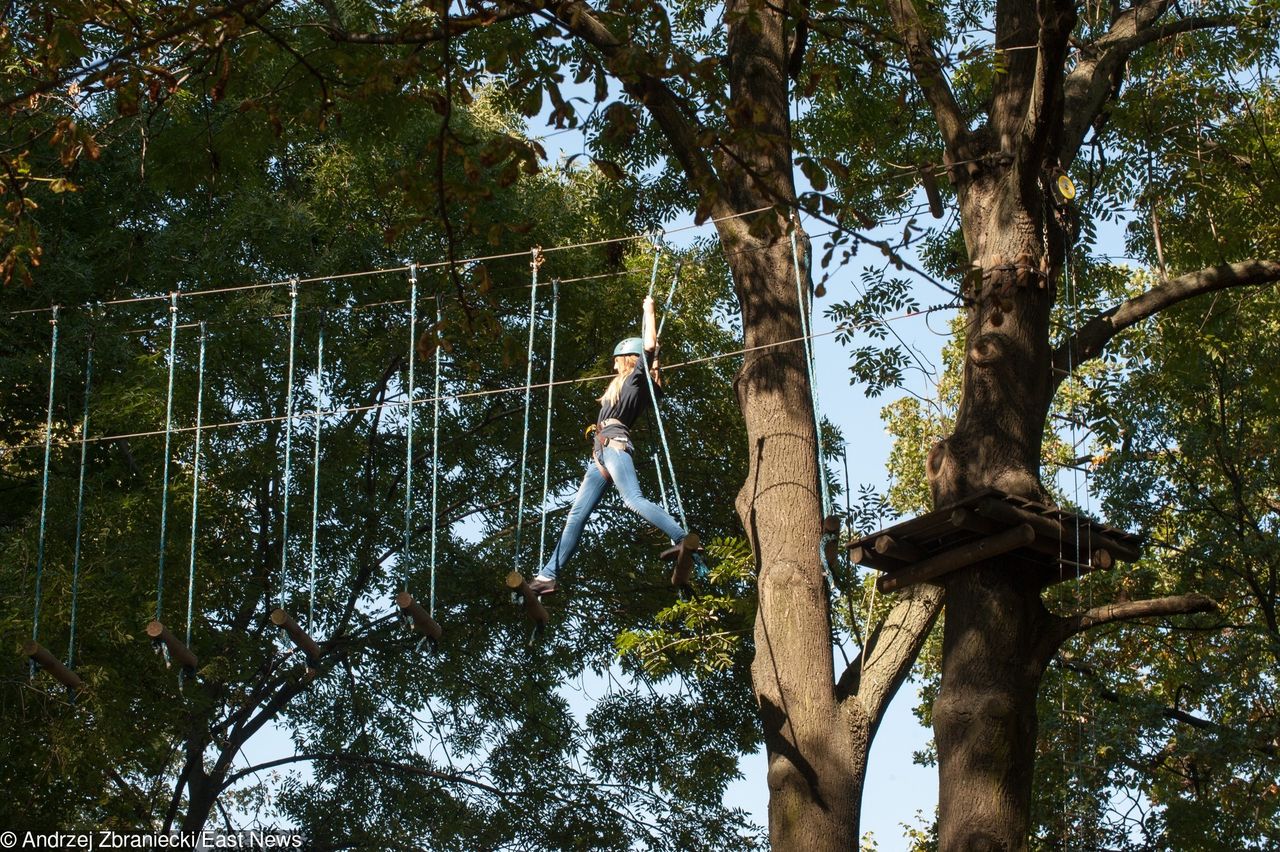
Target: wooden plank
[[959, 557], [865, 554], [47, 661], [1003, 512], [899, 549]]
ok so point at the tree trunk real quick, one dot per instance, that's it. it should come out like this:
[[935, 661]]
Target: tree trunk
[[985, 714], [816, 746]]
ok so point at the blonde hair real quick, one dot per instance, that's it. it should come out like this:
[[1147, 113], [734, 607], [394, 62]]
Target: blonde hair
[[612, 392]]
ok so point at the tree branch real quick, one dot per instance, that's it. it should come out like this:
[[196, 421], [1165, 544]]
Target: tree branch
[[1057, 18], [1089, 340], [380, 763], [1066, 627], [452, 26], [107, 62], [625, 62], [876, 674], [927, 69], [1094, 80]]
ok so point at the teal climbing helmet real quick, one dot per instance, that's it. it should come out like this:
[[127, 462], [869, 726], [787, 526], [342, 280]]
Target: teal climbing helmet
[[630, 346]]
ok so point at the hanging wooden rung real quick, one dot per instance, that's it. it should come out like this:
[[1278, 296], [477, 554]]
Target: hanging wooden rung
[[177, 651], [305, 643], [957, 558], [422, 620], [532, 604], [41, 657]]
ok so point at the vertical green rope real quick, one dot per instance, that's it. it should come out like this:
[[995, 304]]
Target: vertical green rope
[[168, 438], [75, 559], [407, 555], [288, 442], [195, 485], [315, 477], [528, 388], [804, 307], [653, 397], [546, 455], [435, 453], [44, 484]]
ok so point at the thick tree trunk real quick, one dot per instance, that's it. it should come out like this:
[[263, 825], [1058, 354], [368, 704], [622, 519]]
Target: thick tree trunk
[[816, 745], [985, 714]]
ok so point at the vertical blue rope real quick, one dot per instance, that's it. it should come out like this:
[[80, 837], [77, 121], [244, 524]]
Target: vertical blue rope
[[168, 438], [551, 381], [75, 559], [534, 262], [662, 487], [288, 442], [44, 483], [408, 461], [195, 485], [653, 398], [315, 478], [435, 454], [804, 307]]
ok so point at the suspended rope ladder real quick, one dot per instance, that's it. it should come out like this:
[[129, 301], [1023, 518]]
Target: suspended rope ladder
[[515, 580], [37, 654]]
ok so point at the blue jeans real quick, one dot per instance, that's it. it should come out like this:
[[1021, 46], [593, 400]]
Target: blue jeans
[[623, 472]]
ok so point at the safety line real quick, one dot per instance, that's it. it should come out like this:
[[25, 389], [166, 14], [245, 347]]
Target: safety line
[[803, 305], [394, 269]]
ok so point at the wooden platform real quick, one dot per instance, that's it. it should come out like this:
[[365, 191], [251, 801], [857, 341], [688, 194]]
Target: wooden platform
[[1055, 544]]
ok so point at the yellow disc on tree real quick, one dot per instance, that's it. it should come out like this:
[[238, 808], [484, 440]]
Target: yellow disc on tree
[[1066, 188]]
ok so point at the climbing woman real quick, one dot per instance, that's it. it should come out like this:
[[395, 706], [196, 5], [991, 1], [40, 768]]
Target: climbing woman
[[624, 400]]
